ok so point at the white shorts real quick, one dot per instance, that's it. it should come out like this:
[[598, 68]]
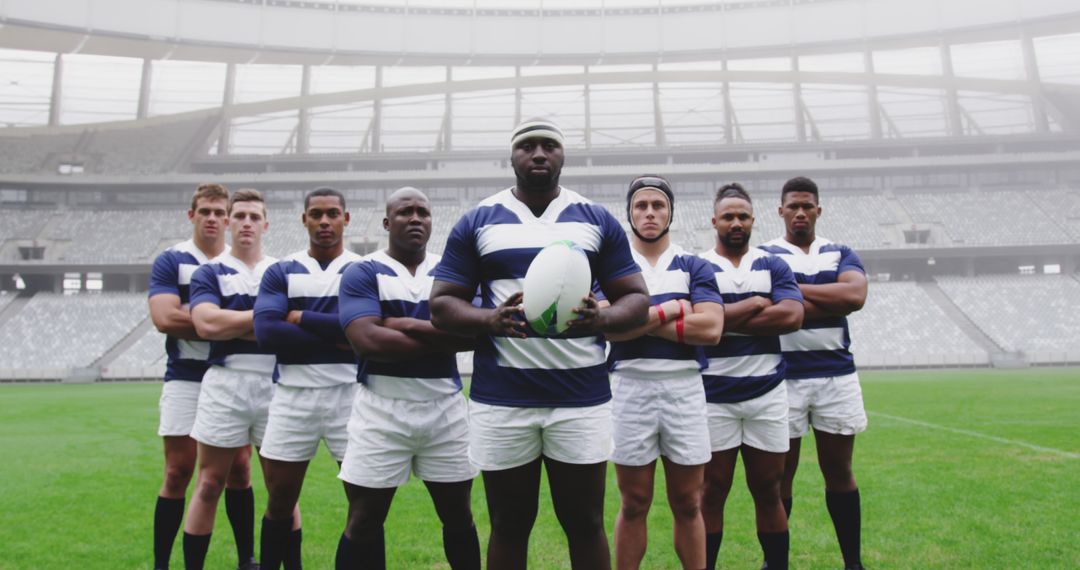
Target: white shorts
[[233, 407], [659, 417], [761, 423], [302, 417], [389, 438], [502, 437], [832, 405], [179, 400]]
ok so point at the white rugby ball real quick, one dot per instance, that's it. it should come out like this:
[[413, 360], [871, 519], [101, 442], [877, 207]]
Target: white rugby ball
[[558, 279]]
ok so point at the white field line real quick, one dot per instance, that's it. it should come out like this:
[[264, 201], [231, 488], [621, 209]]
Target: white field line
[[1006, 441]]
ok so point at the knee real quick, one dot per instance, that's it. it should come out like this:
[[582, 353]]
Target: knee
[[635, 505], [765, 490], [583, 524], [280, 505], [512, 527], [209, 487], [685, 506], [838, 476], [178, 476], [239, 475]]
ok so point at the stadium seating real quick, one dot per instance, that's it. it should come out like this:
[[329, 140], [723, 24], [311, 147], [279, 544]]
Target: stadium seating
[[143, 359], [1034, 314], [68, 331], [36, 153], [900, 325], [999, 217], [149, 150]]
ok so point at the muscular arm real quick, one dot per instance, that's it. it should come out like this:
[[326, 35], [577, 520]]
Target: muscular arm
[[373, 341], [838, 299], [738, 314], [671, 310], [274, 332], [629, 307], [452, 311], [326, 325], [172, 318], [214, 323], [439, 340], [780, 318], [702, 327]]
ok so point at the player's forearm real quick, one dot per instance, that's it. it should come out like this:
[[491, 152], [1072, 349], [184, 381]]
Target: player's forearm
[[738, 314], [272, 332], [458, 316], [423, 330], [626, 313], [325, 325], [813, 311], [384, 344], [174, 322], [698, 329], [650, 326], [835, 299], [222, 324], [781, 318]]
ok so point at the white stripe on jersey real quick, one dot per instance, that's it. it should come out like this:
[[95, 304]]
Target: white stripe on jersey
[[501, 289], [810, 265], [193, 349], [235, 284], [813, 339], [402, 288], [735, 282], [259, 363], [548, 353], [320, 284], [316, 375], [499, 237], [184, 271], [742, 366]]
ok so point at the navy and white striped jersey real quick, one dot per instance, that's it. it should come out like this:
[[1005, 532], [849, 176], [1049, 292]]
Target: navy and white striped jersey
[[171, 274], [492, 246], [380, 286], [822, 347], [743, 367], [230, 284], [314, 354], [676, 275]]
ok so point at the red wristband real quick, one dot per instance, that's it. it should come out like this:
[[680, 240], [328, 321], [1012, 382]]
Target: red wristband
[[681, 314], [680, 333], [660, 313]]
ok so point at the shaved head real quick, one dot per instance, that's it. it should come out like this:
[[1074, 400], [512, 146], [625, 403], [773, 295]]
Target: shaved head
[[403, 193]]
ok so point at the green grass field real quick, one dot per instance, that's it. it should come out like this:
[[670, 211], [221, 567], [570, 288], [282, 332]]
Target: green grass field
[[971, 469]]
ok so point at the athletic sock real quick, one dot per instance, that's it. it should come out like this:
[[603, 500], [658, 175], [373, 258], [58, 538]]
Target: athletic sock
[[293, 560], [712, 548], [775, 545], [273, 542], [787, 506], [367, 554], [847, 520], [462, 548], [240, 508], [168, 514], [195, 547]]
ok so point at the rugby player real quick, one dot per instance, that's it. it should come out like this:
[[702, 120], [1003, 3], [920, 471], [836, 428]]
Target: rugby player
[[409, 414], [236, 390], [744, 377], [170, 282], [538, 400], [658, 399], [823, 386], [296, 317]]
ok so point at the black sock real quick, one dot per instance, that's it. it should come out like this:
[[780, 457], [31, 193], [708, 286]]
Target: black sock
[[273, 541], [240, 507], [462, 548], [293, 559], [787, 506], [775, 546], [712, 548], [195, 547], [167, 517], [366, 554], [847, 520]]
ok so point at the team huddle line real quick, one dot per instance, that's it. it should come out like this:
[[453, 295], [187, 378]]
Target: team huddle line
[[687, 358]]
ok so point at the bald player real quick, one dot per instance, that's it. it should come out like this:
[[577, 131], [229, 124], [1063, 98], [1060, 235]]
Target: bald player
[[170, 291], [409, 415]]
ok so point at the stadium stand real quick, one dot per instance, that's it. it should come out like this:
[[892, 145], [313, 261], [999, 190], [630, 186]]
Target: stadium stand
[[6, 297], [90, 236], [148, 150], [1062, 206], [1034, 314], [22, 224], [900, 325], [143, 359], [993, 218], [39, 337], [36, 153]]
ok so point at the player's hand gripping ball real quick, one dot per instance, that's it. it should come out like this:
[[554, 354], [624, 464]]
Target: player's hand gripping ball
[[558, 279]]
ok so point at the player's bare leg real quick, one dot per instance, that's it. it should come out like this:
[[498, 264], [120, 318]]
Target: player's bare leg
[[764, 471], [577, 494], [512, 497], [280, 538], [841, 493], [684, 487], [240, 506], [180, 456], [453, 504], [214, 466], [631, 531], [719, 474], [791, 465], [363, 542]]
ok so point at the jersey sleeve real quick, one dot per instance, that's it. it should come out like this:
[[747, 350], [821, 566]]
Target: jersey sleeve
[[165, 275], [205, 287], [273, 298], [849, 261], [784, 285], [614, 260], [460, 263], [703, 288], [359, 294]]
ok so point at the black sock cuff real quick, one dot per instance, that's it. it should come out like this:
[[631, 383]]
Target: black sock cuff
[[167, 505], [278, 526], [239, 492], [841, 495]]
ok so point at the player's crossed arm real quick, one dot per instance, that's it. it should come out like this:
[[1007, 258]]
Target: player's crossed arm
[[452, 311], [838, 299], [171, 317]]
